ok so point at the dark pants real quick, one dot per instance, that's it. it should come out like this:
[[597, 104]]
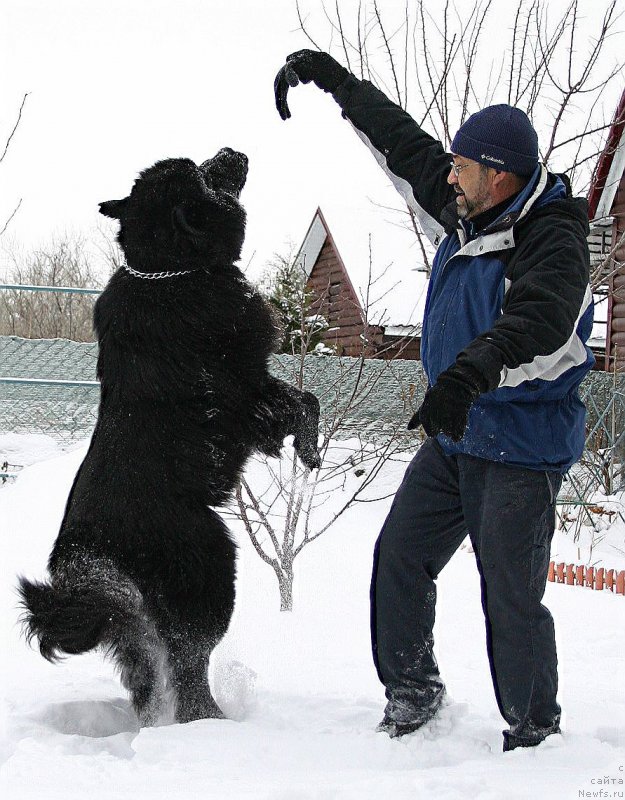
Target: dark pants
[[509, 514]]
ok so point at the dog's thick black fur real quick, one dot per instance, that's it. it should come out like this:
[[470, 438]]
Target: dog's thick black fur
[[143, 565]]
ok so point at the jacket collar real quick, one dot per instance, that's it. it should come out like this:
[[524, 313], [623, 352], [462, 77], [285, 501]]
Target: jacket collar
[[535, 193]]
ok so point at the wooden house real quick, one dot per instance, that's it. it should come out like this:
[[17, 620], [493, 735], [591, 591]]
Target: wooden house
[[364, 271], [606, 201]]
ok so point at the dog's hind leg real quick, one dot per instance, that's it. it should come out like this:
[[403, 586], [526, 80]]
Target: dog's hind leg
[[188, 676], [140, 657], [194, 610], [89, 603]]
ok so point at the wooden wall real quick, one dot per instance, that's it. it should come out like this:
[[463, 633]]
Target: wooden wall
[[405, 347], [338, 302], [616, 318]]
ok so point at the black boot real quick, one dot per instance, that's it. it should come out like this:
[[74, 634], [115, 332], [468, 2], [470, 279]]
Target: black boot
[[401, 717], [528, 735]]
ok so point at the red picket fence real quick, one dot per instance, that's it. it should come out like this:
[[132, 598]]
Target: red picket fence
[[599, 578]]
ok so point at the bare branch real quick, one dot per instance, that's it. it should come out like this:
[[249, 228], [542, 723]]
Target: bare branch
[[252, 533], [609, 266], [303, 27], [582, 135], [262, 516], [389, 53], [15, 127], [13, 213], [343, 39]]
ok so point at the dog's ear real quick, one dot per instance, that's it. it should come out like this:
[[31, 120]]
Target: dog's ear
[[114, 208], [186, 218]]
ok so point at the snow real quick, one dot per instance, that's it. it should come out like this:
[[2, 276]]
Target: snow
[[300, 688], [604, 547], [20, 450]]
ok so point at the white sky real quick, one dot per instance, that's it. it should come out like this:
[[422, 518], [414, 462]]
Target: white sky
[[118, 84]]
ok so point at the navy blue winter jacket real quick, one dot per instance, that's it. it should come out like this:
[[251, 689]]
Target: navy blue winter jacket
[[511, 301]]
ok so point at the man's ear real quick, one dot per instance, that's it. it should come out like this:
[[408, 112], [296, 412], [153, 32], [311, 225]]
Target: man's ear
[[114, 208], [499, 177]]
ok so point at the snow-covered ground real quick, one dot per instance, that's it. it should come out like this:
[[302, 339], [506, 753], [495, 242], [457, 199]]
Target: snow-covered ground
[[300, 688]]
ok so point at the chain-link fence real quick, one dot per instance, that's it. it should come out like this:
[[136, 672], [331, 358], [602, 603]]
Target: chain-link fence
[[48, 386], [601, 470]]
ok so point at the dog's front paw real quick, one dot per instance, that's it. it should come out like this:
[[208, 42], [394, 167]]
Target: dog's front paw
[[307, 452], [308, 455], [305, 442]]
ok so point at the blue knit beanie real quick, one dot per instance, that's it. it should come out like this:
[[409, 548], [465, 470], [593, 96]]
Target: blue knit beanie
[[501, 137]]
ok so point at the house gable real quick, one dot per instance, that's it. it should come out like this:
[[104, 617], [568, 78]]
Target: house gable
[[334, 295], [338, 301]]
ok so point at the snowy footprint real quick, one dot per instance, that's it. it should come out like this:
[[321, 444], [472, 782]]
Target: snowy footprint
[[611, 735], [95, 719], [74, 728]]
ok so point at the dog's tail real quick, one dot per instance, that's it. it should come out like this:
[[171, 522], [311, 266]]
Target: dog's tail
[[79, 609]]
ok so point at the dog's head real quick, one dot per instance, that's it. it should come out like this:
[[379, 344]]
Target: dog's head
[[180, 214]]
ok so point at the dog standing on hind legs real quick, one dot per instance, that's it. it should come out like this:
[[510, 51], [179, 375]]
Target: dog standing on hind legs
[[143, 566]]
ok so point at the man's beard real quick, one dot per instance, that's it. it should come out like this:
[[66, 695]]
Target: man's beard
[[462, 206], [472, 208]]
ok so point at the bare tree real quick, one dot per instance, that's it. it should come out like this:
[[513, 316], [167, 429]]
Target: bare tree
[[111, 256], [441, 65], [46, 315], [287, 509]]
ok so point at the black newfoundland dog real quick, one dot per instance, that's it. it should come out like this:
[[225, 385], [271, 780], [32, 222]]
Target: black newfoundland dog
[[143, 566]]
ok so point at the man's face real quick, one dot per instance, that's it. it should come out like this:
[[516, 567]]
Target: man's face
[[472, 186]]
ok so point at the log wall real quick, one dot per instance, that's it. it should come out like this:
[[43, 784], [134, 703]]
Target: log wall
[[337, 301], [616, 315]]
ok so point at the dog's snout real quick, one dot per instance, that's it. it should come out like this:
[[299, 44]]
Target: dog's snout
[[229, 152], [241, 161], [227, 170], [233, 158]]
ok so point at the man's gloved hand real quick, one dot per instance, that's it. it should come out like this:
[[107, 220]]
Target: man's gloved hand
[[445, 407], [305, 66]]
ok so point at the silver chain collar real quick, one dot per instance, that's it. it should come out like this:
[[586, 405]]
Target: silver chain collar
[[152, 276]]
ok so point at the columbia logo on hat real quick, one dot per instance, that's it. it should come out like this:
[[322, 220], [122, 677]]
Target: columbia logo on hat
[[492, 158]]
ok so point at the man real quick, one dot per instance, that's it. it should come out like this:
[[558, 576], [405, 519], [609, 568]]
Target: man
[[508, 313]]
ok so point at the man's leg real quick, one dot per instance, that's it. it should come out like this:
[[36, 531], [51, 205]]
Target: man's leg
[[424, 528], [510, 513]]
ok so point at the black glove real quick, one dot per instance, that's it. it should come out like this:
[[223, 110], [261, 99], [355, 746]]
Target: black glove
[[445, 407], [305, 66]]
